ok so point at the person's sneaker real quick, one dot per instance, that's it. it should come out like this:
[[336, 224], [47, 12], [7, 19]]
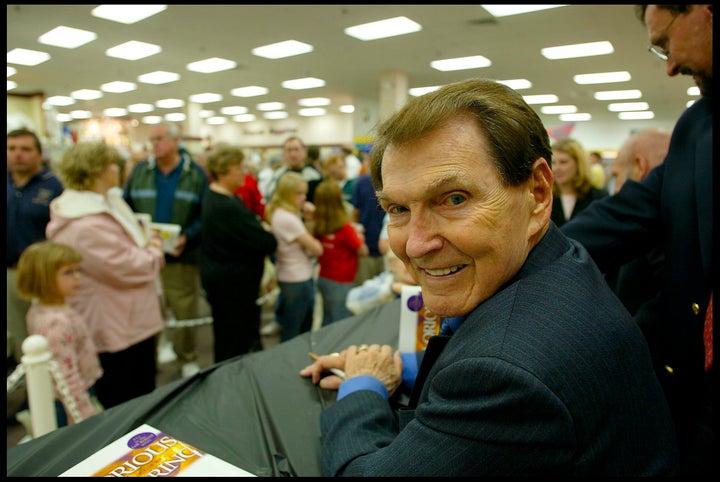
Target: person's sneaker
[[190, 369], [272, 328]]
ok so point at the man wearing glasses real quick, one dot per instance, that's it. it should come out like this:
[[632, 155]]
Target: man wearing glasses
[[673, 206], [170, 186]]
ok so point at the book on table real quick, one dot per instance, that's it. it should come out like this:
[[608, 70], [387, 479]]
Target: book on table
[[149, 452]]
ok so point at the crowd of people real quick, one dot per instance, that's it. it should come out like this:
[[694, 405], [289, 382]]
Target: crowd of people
[[551, 359]]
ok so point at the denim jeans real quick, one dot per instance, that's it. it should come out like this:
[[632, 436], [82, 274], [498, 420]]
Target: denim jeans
[[295, 308], [334, 295]]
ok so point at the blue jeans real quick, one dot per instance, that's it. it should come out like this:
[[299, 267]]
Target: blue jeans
[[334, 294], [295, 308]]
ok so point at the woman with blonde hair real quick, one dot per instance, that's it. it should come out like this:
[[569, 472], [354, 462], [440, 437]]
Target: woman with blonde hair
[[573, 190], [290, 216], [118, 295], [234, 242]]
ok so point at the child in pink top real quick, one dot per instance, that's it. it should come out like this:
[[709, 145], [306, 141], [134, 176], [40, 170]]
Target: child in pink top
[[48, 272], [342, 246]]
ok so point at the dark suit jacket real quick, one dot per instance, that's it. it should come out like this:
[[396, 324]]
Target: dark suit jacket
[[549, 376], [674, 203]]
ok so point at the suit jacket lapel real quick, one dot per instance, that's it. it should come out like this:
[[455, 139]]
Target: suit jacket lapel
[[435, 346]]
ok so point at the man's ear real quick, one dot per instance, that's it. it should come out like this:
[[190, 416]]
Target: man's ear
[[542, 196], [640, 167]]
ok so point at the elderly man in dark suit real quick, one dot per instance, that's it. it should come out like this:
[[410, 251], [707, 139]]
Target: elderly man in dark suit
[[539, 369], [674, 203]]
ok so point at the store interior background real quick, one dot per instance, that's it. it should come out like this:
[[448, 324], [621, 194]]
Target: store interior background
[[380, 89]]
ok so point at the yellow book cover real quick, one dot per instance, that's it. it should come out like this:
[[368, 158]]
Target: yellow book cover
[[149, 452], [417, 322]]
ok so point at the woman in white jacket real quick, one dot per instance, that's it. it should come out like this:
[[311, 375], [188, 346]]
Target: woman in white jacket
[[119, 293]]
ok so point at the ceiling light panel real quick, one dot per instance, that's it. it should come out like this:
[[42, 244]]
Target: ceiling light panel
[[304, 83], [540, 99], [579, 117], [133, 50], [206, 98], [152, 119], [577, 50], [175, 117], [249, 91], [118, 87], [281, 50], [602, 78], [625, 106], [27, 57], [11, 85], [170, 103], [270, 106], [217, 120], [234, 110], [347, 109], [211, 65], [115, 112], [60, 100], [558, 109], [127, 14], [64, 118], [11, 71], [418, 91], [461, 63], [67, 37], [276, 115], [86, 94], [80, 114], [158, 77], [312, 111], [507, 10], [140, 108], [314, 102], [244, 118], [618, 94], [390, 27], [516, 84]]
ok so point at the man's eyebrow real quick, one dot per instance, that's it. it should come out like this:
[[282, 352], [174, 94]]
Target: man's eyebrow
[[438, 184]]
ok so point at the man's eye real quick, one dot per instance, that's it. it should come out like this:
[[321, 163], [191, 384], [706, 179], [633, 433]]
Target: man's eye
[[456, 199]]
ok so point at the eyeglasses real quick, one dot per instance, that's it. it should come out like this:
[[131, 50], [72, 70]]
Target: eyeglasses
[[660, 52]]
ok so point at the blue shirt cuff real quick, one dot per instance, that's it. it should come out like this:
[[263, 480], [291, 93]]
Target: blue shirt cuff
[[362, 382]]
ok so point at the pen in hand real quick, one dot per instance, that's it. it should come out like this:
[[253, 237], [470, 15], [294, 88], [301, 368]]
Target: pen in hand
[[334, 371]]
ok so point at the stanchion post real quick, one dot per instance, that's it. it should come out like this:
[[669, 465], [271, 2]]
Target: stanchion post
[[36, 359]]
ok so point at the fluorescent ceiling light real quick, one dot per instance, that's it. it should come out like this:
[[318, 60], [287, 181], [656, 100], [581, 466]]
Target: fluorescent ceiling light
[[234, 110], [244, 118], [602, 77], [86, 94], [175, 117], [461, 63], [152, 119], [11, 85], [205, 98], [314, 101], [205, 113], [418, 91], [118, 87], [214, 64], [67, 37], [158, 77], [115, 112], [640, 115], [540, 99], [27, 57], [304, 83], [80, 114], [390, 27], [133, 50], [694, 90], [516, 84], [507, 10], [577, 50], [170, 103], [11, 71], [280, 50], [217, 120], [60, 100], [575, 117], [618, 94], [270, 106], [64, 118], [624, 106], [558, 109], [249, 91], [127, 13], [276, 115], [347, 109], [689, 103], [140, 108], [312, 111]]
